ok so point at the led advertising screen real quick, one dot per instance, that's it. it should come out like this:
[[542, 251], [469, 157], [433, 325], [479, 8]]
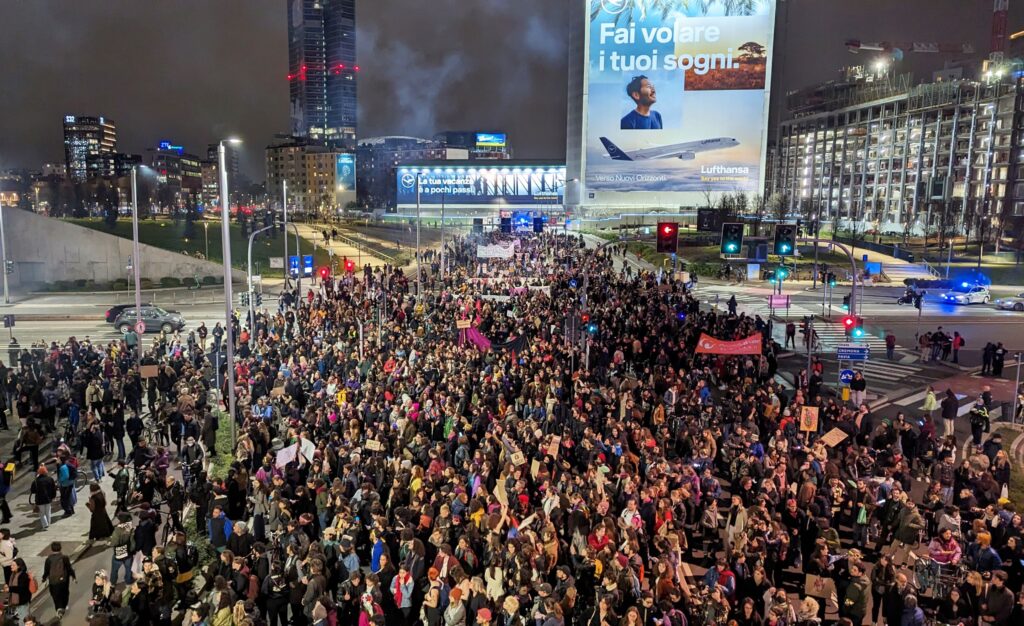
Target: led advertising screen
[[512, 186], [345, 172], [677, 95], [490, 140]]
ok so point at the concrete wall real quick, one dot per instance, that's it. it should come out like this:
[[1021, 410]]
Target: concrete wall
[[46, 250]]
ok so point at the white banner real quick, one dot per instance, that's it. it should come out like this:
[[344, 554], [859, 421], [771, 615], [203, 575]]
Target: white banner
[[497, 250]]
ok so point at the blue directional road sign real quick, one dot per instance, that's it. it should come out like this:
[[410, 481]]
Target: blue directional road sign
[[307, 264], [845, 377], [293, 266], [852, 352]]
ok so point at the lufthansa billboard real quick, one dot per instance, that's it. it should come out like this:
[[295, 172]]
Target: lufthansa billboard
[[509, 186], [677, 96]]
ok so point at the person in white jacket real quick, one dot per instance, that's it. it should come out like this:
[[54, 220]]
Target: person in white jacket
[[7, 551]]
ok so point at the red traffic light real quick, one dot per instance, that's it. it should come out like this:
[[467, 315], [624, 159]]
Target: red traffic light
[[849, 322], [325, 272], [585, 318], [350, 265]]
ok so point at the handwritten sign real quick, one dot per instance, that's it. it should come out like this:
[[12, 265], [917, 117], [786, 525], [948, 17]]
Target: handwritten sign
[[834, 437], [556, 442], [463, 324], [518, 458], [149, 371], [373, 445], [535, 468], [808, 419]]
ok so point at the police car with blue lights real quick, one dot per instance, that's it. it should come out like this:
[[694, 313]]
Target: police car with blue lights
[[967, 294]]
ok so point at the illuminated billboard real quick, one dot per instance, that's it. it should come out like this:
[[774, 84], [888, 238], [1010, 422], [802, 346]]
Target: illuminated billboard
[[677, 98], [345, 172], [490, 140], [510, 186]]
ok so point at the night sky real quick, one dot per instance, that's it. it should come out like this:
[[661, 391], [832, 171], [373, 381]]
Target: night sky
[[194, 71]]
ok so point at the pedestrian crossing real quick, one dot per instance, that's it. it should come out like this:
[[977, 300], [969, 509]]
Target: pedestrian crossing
[[832, 334], [717, 296]]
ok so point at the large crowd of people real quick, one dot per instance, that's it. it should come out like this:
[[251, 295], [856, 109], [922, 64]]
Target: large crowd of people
[[536, 440]]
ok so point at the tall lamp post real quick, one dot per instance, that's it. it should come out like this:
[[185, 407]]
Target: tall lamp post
[[136, 262], [225, 214], [206, 237], [419, 292], [284, 229], [3, 246]]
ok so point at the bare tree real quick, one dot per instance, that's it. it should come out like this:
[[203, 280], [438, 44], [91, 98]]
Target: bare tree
[[759, 204], [708, 195]]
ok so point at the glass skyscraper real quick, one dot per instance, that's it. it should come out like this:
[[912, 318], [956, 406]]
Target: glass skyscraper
[[322, 70]]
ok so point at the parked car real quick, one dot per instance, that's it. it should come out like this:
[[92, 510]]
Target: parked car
[[966, 294], [156, 319], [1012, 303], [115, 310]]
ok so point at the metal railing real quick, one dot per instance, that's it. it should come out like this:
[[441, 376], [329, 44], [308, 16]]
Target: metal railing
[[358, 245]]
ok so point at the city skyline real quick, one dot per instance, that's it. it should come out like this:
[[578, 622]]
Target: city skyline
[[414, 81]]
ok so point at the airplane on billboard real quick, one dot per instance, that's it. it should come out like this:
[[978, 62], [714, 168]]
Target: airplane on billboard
[[685, 151]]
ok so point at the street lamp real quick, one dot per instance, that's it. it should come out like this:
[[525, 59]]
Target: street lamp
[[419, 292], [206, 237], [137, 261], [225, 214], [3, 246]]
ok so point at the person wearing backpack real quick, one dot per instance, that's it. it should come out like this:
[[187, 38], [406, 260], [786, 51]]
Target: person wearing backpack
[[67, 473], [122, 542], [58, 570]]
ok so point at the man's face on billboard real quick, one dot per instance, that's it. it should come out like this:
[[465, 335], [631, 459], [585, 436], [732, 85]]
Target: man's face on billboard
[[647, 95]]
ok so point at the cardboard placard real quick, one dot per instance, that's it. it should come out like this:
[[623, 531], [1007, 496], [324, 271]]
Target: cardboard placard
[[277, 392], [808, 419], [373, 445], [499, 491], [149, 371], [819, 587], [518, 458], [535, 468], [463, 324], [834, 437], [556, 443]]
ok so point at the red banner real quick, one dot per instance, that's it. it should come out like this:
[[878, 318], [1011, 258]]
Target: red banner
[[709, 345]]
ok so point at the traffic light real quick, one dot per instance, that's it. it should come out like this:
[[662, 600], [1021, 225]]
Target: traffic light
[[259, 299], [785, 239], [325, 272], [350, 265], [244, 297], [782, 272], [831, 279], [846, 302], [732, 238], [858, 328], [668, 237], [9, 267], [592, 328], [585, 318], [849, 323]]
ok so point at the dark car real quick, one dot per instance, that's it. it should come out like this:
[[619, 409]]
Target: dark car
[[115, 310], [156, 319]]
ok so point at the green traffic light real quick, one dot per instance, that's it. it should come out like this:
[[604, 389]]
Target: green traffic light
[[858, 332], [731, 247], [784, 248]]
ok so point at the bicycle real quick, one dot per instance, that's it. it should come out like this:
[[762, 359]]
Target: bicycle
[[939, 578], [155, 432]]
